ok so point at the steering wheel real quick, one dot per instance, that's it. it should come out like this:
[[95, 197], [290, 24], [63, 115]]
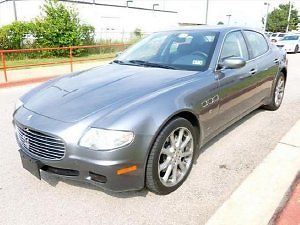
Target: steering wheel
[[199, 53]]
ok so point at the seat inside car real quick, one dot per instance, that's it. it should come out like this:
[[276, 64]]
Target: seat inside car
[[185, 50]]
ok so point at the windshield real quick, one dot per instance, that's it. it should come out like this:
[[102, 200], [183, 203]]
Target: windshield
[[185, 50], [290, 38], [281, 35]]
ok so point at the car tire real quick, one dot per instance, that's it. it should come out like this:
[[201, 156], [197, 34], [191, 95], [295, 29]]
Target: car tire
[[165, 157], [277, 93], [296, 49]]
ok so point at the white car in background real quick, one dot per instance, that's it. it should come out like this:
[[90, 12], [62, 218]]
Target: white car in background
[[277, 37], [290, 43]]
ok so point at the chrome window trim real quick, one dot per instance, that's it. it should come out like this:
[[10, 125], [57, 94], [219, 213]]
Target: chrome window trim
[[221, 48], [242, 31], [264, 39]]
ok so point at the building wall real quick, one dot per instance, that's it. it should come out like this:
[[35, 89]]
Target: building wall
[[110, 22]]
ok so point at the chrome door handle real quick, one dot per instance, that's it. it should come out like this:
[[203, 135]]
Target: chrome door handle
[[276, 61], [253, 71]]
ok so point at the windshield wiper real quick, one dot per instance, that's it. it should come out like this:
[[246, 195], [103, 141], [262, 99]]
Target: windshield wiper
[[118, 61], [150, 64]]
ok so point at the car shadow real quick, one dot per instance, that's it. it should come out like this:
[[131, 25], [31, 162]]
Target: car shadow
[[53, 180]]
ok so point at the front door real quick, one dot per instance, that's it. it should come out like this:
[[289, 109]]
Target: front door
[[235, 84]]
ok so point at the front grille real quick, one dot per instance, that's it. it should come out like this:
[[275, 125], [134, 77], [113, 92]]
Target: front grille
[[280, 46], [40, 144]]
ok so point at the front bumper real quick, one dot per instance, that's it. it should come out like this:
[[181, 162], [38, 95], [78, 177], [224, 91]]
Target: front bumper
[[288, 49], [95, 167]]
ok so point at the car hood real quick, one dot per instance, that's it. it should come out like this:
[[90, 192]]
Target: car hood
[[76, 96]]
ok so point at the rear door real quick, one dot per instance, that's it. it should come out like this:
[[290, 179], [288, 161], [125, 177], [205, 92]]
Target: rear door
[[266, 62]]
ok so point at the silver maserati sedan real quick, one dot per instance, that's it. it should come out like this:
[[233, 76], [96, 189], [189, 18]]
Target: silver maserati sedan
[[140, 120]]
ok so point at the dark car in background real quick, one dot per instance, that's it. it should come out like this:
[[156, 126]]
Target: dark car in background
[[140, 120]]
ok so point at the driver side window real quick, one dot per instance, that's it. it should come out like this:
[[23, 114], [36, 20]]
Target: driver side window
[[234, 46]]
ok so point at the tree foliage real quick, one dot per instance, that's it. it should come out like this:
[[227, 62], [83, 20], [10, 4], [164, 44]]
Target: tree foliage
[[57, 26], [13, 36], [278, 19]]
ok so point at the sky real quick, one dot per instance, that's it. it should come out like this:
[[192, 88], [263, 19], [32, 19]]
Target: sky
[[244, 12]]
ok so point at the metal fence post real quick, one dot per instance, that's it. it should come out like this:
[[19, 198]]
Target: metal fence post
[[71, 58], [4, 65]]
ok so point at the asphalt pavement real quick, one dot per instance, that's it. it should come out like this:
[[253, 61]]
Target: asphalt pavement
[[225, 162]]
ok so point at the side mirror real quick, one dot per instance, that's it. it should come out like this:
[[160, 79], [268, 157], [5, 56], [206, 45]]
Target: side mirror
[[118, 54], [233, 63]]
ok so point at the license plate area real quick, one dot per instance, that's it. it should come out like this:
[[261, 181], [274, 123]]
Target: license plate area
[[31, 165]]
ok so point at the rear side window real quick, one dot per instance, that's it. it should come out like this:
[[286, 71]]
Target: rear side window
[[234, 46], [291, 38], [257, 42]]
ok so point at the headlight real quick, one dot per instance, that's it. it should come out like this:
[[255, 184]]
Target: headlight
[[18, 104], [101, 139]]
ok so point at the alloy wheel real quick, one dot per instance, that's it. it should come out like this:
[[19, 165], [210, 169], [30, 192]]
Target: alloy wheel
[[279, 91], [175, 157]]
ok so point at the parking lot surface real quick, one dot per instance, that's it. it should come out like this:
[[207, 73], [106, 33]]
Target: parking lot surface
[[224, 163]]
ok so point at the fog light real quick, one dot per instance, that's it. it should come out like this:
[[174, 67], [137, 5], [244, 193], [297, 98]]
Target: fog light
[[97, 177]]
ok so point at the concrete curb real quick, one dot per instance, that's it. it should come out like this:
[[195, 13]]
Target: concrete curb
[[24, 82], [257, 199], [31, 75]]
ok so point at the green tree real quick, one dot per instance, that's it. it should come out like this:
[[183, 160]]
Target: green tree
[[87, 34], [278, 19], [220, 23], [13, 36], [60, 26]]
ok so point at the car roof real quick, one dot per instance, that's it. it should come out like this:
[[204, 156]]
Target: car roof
[[219, 28]]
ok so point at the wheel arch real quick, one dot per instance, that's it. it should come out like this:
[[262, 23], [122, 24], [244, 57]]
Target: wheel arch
[[281, 70], [186, 114], [192, 118], [284, 71]]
